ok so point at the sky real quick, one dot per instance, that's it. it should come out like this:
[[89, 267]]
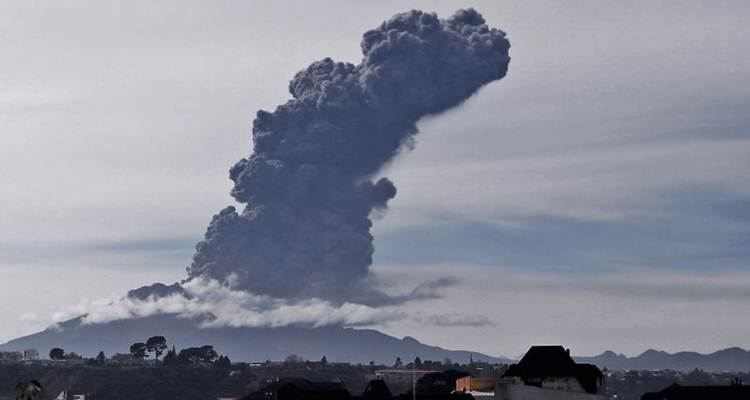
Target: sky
[[595, 197]]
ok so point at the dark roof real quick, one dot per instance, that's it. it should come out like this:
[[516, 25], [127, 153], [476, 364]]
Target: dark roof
[[588, 376], [377, 389], [677, 392], [300, 388], [547, 361], [542, 361]]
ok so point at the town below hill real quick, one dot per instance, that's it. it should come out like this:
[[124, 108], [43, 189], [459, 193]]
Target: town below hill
[[198, 379], [154, 368]]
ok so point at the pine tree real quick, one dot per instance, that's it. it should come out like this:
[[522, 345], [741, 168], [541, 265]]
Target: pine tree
[[171, 357]]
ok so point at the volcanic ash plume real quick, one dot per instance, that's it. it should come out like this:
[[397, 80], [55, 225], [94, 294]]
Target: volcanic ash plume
[[307, 186]]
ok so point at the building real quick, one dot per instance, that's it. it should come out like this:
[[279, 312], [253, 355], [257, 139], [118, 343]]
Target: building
[[469, 384], [736, 391], [479, 388], [300, 389], [549, 373], [377, 389], [401, 376], [31, 355], [10, 357], [123, 358]]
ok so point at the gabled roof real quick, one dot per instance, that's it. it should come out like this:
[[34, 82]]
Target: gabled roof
[[377, 389], [541, 361], [588, 376], [555, 361]]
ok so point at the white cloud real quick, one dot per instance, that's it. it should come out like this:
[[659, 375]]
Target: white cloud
[[214, 305], [217, 305]]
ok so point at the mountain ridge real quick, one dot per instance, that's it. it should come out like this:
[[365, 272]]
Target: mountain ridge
[[729, 359], [241, 344], [337, 343]]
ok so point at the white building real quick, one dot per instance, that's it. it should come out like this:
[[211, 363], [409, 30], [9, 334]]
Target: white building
[[31, 355]]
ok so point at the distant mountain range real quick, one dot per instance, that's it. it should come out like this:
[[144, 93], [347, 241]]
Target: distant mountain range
[[241, 344], [730, 359]]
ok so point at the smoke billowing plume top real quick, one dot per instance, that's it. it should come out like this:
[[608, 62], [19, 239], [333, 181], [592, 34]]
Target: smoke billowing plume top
[[307, 186]]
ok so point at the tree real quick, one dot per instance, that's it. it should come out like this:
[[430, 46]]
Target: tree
[[100, 358], [293, 359], [171, 357], [57, 353], [156, 345], [417, 362], [324, 360], [208, 354], [398, 363], [223, 362], [31, 390], [197, 355], [138, 351]]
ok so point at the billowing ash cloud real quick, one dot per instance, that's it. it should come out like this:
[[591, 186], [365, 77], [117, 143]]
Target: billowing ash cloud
[[307, 186]]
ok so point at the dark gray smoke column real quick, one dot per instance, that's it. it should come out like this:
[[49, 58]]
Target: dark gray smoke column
[[305, 231]]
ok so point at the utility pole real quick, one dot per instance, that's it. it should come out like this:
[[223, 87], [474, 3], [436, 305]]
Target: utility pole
[[414, 379]]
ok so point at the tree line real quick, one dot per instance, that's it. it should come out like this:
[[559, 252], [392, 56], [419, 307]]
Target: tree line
[[156, 346]]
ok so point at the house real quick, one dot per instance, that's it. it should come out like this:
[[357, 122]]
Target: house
[[736, 391], [31, 355], [123, 358], [300, 389], [469, 384], [401, 376], [479, 388], [377, 389], [548, 372], [10, 357]]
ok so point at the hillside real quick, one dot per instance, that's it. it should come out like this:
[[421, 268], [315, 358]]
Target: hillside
[[241, 344]]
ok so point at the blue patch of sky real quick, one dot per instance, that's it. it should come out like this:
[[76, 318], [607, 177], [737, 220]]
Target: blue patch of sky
[[700, 230]]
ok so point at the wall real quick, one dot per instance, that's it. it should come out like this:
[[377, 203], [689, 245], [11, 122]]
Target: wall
[[506, 391], [469, 384], [569, 384]]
